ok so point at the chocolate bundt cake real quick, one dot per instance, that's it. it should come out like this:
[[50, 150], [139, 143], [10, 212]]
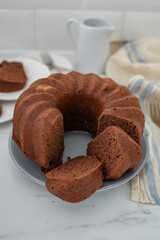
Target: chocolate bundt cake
[[116, 150], [72, 101], [12, 76], [76, 179]]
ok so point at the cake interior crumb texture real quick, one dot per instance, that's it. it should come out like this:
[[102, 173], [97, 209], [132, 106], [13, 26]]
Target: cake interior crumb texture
[[12, 76], [116, 150], [75, 180]]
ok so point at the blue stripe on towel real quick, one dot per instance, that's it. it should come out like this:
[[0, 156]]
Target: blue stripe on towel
[[136, 53], [150, 175], [149, 167], [128, 53], [134, 89]]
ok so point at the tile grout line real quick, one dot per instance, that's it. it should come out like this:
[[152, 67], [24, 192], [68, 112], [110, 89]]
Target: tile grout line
[[123, 25], [80, 4], [35, 29]]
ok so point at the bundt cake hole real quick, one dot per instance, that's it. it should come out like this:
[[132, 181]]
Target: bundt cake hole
[[80, 112]]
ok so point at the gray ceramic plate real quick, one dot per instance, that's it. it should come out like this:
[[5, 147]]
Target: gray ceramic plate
[[75, 145]]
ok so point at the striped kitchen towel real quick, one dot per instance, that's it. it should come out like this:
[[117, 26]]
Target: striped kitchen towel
[[134, 58], [137, 57], [146, 185]]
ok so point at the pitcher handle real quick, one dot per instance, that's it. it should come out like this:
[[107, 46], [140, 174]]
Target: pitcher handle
[[70, 21]]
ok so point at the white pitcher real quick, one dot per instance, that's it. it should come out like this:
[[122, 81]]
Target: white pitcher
[[92, 47]]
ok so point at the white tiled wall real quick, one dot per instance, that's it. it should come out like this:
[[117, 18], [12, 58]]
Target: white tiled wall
[[51, 26], [41, 24], [141, 24], [16, 29], [36, 4], [122, 5]]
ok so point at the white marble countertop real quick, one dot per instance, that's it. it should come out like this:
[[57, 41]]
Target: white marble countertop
[[28, 211]]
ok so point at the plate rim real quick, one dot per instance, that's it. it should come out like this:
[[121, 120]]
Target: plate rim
[[100, 189], [11, 117]]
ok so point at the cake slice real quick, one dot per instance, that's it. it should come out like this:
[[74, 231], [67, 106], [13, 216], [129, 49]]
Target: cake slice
[[12, 76], [130, 119], [116, 150], [76, 179]]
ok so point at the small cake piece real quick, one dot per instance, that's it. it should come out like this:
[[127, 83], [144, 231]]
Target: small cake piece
[[76, 179], [0, 110], [116, 150], [12, 76]]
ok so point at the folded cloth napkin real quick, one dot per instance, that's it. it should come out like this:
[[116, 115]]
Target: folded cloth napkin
[[146, 185], [134, 58]]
